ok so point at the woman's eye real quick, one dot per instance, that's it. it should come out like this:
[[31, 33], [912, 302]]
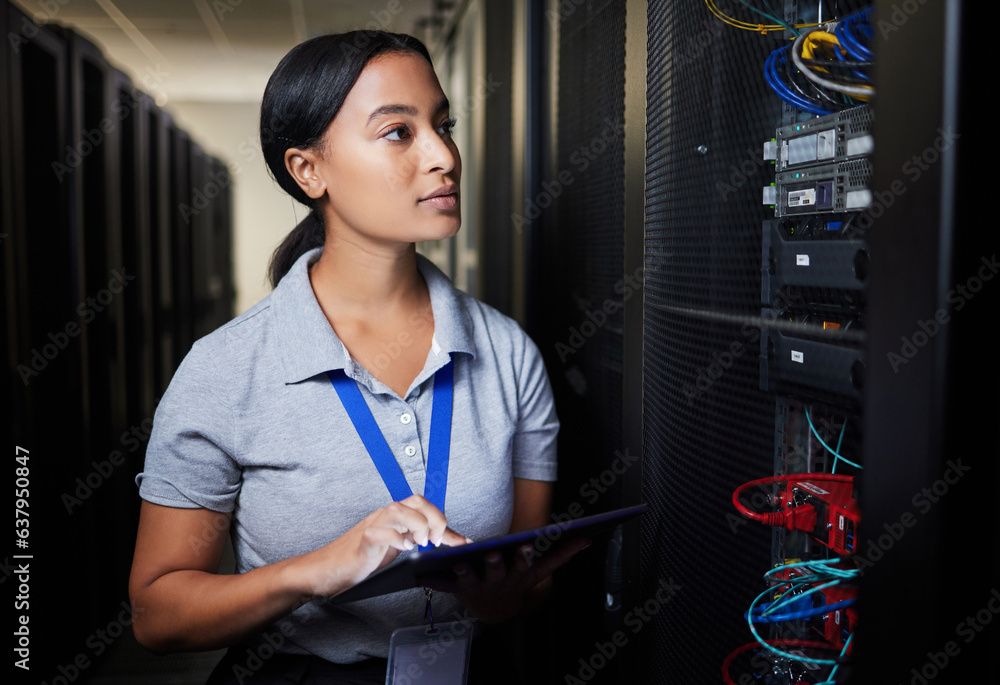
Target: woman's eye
[[400, 128], [445, 128]]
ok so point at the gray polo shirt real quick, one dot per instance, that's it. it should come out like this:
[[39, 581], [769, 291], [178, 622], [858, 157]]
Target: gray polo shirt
[[251, 424]]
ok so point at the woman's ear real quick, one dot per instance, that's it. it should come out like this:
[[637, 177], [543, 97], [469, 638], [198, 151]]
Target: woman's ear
[[302, 164]]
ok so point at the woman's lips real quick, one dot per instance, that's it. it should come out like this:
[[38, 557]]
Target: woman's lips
[[442, 201]]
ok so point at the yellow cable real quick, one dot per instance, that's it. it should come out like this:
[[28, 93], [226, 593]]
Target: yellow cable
[[825, 39], [747, 26]]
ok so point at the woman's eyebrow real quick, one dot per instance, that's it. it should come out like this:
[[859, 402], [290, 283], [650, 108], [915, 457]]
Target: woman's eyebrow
[[403, 109]]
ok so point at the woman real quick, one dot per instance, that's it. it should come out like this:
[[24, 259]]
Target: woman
[[254, 437]]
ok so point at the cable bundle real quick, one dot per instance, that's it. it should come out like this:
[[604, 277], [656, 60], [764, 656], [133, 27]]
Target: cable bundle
[[810, 577], [823, 72]]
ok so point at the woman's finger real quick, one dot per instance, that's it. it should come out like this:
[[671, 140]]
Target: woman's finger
[[559, 556], [453, 539], [435, 522], [496, 570], [406, 519]]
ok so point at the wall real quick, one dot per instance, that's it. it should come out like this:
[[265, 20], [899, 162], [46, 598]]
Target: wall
[[263, 213]]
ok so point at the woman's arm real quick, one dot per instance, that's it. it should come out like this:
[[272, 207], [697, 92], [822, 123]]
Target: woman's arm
[[502, 593], [180, 601], [532, 504], [532, 509]]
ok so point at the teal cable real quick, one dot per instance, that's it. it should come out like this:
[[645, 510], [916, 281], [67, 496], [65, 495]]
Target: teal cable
[[770, 16], [833, 672], [814, 562], [835, 453], [775, 650]]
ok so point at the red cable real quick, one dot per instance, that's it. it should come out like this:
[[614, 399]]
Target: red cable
[[778, 518], [774, 643]]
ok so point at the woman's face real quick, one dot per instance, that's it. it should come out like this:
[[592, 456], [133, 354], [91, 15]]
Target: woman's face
[[386, 151]]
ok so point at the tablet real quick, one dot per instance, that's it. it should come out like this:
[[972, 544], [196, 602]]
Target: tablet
[[438, 562]]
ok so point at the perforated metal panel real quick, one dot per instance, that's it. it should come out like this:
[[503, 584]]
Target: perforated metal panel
[[707, 425], [589, 222], [580, 200]]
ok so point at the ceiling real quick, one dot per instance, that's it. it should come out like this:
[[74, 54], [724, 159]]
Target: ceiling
[[223, 50]]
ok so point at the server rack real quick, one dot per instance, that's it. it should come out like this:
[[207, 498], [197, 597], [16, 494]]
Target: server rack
[[93, 176], [931, 409], [180, 242], [725, 392], [137, 247], [581, 284], [45, 254], [159, 124]]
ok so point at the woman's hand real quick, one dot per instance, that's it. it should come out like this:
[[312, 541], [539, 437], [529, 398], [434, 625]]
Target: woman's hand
[[374, 543], [182, 602], [502, 593]]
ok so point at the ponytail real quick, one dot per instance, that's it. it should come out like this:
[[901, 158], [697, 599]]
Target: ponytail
[[309, 234]]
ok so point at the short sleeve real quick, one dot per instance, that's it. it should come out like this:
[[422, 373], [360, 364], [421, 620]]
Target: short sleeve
[[535, 455], [188, 459]]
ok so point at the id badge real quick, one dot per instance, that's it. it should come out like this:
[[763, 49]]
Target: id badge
[[435, 654]]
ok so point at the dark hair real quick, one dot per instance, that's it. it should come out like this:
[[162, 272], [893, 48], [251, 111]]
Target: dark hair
[[302, 97]]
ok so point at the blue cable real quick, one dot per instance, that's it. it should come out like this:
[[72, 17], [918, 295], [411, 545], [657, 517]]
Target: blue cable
[[777, 604], [841, 54], [775, 650], [849, 42], [805, 613], [859, 27], [856, 29], [782, 90]]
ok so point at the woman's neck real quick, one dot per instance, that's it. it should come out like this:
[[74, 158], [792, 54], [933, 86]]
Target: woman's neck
[[357, 283]]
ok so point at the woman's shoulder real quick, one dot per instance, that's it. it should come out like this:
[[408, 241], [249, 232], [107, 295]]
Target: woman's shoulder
[[481, 317], [235, 344], [496, 331]]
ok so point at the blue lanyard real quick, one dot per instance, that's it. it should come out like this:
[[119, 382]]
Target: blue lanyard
[[436, 481]]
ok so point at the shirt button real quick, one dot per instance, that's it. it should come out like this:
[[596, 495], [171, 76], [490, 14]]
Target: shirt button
[[405, 418], [410, 450]]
